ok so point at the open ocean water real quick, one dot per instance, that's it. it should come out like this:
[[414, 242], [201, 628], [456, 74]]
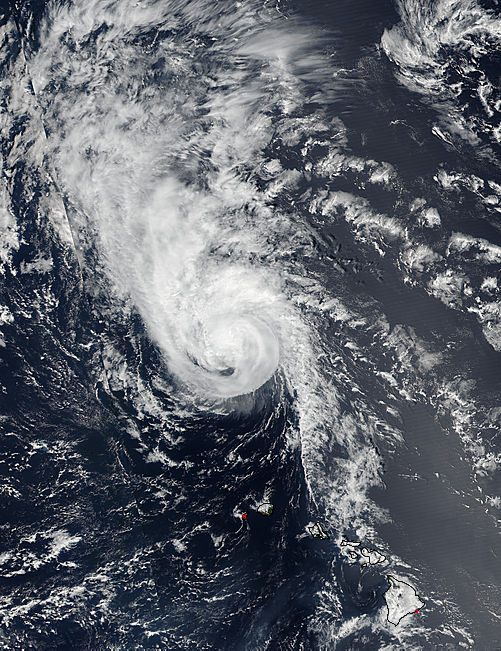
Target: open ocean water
[[250, 254]]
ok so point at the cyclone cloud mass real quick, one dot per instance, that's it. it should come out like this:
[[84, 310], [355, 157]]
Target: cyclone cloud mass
[[250, 324]]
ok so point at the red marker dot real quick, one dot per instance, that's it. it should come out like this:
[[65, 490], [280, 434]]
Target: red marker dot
[[416, 611], [244, 516]]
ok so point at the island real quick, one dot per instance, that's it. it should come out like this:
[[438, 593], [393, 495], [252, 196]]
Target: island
[[317, 531], [401, 600], [364, 555], [265, 509]]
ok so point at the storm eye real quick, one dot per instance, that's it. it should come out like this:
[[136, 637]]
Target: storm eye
[[225, 372]]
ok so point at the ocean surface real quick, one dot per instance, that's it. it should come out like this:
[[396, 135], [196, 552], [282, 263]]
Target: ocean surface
[[250, 254]]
